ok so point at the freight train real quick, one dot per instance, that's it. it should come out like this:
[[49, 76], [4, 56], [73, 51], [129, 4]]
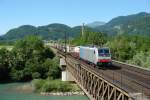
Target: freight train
[[92, 55], [95, 55]]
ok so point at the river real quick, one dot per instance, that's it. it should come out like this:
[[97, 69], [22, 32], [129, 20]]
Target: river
[[7, 93]]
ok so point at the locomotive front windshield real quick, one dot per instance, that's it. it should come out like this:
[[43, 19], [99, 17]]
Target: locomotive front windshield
[[104, 52]]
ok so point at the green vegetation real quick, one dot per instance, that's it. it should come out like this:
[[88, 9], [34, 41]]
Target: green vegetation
[[5, 64], [131, 24], [124, 47], [93, 38], [54, 86], [6, 43], [51, 31], [28, 60], [133, 49], [141, 59], [8, 47]]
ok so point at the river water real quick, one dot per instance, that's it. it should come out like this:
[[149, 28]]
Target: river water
[[7, 93]]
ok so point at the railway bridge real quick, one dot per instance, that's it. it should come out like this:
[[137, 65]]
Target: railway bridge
[[118, 82]]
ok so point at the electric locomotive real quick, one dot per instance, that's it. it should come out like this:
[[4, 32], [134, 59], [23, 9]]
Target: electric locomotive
[[95, 55]]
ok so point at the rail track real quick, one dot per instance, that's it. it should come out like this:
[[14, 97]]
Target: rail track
[[134, 80]]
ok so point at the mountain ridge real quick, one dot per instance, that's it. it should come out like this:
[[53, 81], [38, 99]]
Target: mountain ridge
[[52, 31], [131, 24], [136, 23]]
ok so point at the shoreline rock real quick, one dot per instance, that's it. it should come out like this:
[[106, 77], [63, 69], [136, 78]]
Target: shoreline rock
[[62, 93]]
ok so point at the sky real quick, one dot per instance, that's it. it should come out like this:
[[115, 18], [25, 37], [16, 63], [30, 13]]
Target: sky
[[14, 13]]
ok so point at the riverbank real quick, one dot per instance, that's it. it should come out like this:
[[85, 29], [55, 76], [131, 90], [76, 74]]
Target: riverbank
[[62, 93], [49, 88], [56, 87], [13, 91], [23, 88]]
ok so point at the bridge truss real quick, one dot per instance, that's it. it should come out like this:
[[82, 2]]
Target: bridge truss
[[93, 85]]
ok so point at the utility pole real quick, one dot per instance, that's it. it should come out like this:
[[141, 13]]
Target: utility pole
[[65, 45], [82, 29]]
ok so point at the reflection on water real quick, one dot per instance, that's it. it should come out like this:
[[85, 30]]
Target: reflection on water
[[7, 93]]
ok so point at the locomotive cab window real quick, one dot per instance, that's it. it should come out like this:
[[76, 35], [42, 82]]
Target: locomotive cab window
[[103, 52]]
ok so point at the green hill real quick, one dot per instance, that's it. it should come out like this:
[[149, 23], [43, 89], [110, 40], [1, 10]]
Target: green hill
[[131, 24], [52, 31], [20, 32]]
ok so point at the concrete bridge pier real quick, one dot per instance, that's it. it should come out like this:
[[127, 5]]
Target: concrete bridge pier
[[65, 74]]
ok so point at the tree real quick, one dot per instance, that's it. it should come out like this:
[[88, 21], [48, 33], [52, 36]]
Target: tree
[[125, 47], [5, 64], [54, 70], [29, 55], [141, 59], [94, 38]]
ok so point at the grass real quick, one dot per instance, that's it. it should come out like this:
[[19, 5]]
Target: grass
[[6, 46], [54, 86]]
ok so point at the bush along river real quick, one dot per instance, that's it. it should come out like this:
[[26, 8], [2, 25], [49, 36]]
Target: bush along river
[[30, 59], [25, 91]]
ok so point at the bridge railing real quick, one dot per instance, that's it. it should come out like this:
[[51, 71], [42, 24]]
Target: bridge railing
[[95, 86], [137, 90], [122, 80]]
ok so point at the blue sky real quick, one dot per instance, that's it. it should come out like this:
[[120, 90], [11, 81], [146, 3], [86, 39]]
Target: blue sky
[[14, 13]]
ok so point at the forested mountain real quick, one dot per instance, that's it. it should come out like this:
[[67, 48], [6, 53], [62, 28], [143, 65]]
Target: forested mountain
[[52, 31], [76, 31], [131, 24], [20, 32]]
